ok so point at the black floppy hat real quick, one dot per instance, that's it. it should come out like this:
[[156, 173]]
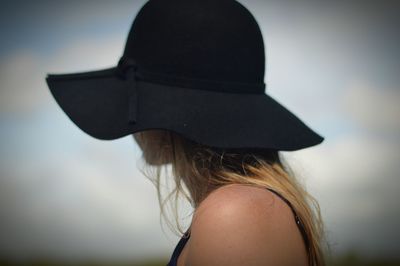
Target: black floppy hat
[[195, 67]]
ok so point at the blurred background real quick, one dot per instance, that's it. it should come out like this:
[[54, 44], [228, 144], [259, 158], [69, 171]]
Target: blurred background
[[67, 198]]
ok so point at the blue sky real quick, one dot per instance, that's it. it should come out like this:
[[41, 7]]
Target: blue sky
[[64, 194]]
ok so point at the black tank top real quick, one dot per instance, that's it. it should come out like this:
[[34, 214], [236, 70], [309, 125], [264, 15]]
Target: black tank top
[[179, 247]]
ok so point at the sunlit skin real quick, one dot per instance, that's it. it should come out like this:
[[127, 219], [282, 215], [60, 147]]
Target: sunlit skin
[[235, 224], [243, 225]]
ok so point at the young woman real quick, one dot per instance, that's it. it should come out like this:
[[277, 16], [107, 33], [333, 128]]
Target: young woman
[[190, 88], [248, 207]]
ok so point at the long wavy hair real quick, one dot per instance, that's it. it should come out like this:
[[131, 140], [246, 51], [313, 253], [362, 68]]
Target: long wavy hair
[[196, 168]]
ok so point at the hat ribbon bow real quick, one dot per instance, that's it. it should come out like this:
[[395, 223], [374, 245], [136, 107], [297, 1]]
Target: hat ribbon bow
[[127, 71]]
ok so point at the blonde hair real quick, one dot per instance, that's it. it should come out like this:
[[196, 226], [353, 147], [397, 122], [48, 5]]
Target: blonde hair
[[199, 167]]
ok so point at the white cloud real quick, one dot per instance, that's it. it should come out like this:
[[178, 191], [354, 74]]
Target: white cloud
[[376, 109], [21, 85], [86, 55], [91, 204], [355, 175], [22, 74]]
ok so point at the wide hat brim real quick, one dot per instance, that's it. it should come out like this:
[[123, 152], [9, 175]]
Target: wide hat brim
[[97, 102]]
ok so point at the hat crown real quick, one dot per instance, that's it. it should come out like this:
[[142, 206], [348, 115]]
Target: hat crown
[[217, 40]]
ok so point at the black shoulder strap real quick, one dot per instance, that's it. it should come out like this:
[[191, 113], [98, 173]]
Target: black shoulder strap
[[297, 219]]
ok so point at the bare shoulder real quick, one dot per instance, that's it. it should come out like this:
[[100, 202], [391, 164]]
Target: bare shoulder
[[244, 225]]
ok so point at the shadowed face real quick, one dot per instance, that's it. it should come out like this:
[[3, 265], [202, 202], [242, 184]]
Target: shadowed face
[[155, 146]]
